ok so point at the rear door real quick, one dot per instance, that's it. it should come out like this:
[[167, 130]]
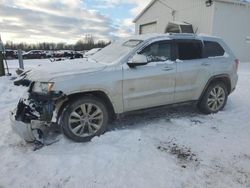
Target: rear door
[[214, 52], [193, 71]]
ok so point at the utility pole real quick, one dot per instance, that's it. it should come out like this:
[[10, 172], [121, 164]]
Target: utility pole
[[2, 71]]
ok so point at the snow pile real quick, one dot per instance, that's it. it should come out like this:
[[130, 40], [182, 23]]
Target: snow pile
[[160, 148]]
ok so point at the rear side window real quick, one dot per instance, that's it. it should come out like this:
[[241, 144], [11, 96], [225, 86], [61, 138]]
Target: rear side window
[[189, 50], [158, 51], [212, 49]]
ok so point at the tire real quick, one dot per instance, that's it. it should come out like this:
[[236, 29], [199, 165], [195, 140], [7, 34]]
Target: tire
[[85, 118], [214, 98]]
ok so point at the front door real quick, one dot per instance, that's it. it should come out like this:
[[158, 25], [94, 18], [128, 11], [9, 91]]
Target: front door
[[152, 84]]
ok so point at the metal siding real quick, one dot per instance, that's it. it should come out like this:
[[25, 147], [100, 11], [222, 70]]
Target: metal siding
[[196, 13], [187, 10], [227, 20], [156, 13], [231, 22]]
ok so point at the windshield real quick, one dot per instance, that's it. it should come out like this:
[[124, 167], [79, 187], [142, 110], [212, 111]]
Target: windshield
[[90, 52], [115, 51]]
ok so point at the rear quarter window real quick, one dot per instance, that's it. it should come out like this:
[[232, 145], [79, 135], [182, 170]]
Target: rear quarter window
[[212, 49]]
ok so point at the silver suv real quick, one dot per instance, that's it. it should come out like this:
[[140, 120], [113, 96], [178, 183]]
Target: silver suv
[[131, 74]]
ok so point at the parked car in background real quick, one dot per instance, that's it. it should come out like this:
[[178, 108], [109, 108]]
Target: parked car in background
[[49, 54], [131, 74], [10, 54], [91, 52], [35, 54], [68, 54], [78, 55]]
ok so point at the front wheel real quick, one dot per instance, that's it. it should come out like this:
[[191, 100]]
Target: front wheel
[[84, 119], [214, 99]]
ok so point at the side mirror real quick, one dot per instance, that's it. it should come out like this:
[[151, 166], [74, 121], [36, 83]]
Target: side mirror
[[138, 60]]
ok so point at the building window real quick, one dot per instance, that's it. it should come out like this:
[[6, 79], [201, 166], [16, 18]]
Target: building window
[[212, 49]]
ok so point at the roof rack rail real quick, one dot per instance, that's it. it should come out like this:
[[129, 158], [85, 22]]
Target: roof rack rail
[[183, 34]]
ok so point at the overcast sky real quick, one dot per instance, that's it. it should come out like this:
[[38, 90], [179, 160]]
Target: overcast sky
[[35, 21], [67, 20]]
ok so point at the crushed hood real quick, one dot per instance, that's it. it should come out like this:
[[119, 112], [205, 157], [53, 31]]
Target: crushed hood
[[45, 73]]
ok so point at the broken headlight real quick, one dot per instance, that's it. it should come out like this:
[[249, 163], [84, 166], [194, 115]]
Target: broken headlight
[[42, 87]]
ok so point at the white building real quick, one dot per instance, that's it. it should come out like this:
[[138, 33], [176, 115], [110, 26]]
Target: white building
[[229, 19]]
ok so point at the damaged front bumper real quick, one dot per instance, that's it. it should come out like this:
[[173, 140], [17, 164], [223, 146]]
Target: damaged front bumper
[[34, 116], [24, 130]]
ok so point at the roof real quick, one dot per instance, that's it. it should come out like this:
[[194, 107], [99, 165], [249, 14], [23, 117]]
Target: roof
[[146, 37], [242, 2], [144, 10]]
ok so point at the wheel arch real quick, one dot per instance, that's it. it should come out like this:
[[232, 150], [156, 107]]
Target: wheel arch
[[98, 94], [218, 78]]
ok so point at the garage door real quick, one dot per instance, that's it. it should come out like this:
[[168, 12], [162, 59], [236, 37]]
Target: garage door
[[148, 28]]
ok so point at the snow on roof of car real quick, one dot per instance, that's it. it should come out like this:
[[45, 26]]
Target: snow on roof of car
[[144, 36], [170, 36]]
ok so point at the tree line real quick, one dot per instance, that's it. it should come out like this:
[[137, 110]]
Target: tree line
[[87, 43]]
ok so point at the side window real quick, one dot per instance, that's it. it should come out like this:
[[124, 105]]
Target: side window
[[189, 50], [158, 51], [212, 49]]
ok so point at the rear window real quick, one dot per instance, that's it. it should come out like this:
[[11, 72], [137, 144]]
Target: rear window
[[189, 50], [212, 49]]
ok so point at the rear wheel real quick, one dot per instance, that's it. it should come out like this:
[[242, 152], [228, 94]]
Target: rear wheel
[[214, 99], [84, 119]]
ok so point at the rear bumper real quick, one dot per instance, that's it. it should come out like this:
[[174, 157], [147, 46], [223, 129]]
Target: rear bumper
[[234, 81], [24, 130]]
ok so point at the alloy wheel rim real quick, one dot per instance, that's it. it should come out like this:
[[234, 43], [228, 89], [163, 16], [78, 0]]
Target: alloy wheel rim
[[85, 120], [216, 98]]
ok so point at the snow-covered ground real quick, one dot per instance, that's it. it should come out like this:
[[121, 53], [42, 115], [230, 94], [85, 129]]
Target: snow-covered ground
[[158, 148]]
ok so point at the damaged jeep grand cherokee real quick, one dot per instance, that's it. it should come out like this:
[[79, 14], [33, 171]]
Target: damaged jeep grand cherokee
[[131, 74]]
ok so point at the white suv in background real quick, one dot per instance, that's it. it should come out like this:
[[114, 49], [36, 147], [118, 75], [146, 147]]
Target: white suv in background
[[130, 74]]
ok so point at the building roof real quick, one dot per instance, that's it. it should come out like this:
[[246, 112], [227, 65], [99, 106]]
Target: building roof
[[144, 10], [242, 2]]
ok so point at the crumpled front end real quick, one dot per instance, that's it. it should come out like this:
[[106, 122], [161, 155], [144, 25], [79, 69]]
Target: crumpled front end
[[24, 130], [34, 115]]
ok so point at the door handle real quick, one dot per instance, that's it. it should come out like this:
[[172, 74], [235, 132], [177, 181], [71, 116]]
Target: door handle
[[205, 64], [167, 69]]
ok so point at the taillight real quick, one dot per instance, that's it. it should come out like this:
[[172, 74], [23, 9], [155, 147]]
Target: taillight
[[237, 63]]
